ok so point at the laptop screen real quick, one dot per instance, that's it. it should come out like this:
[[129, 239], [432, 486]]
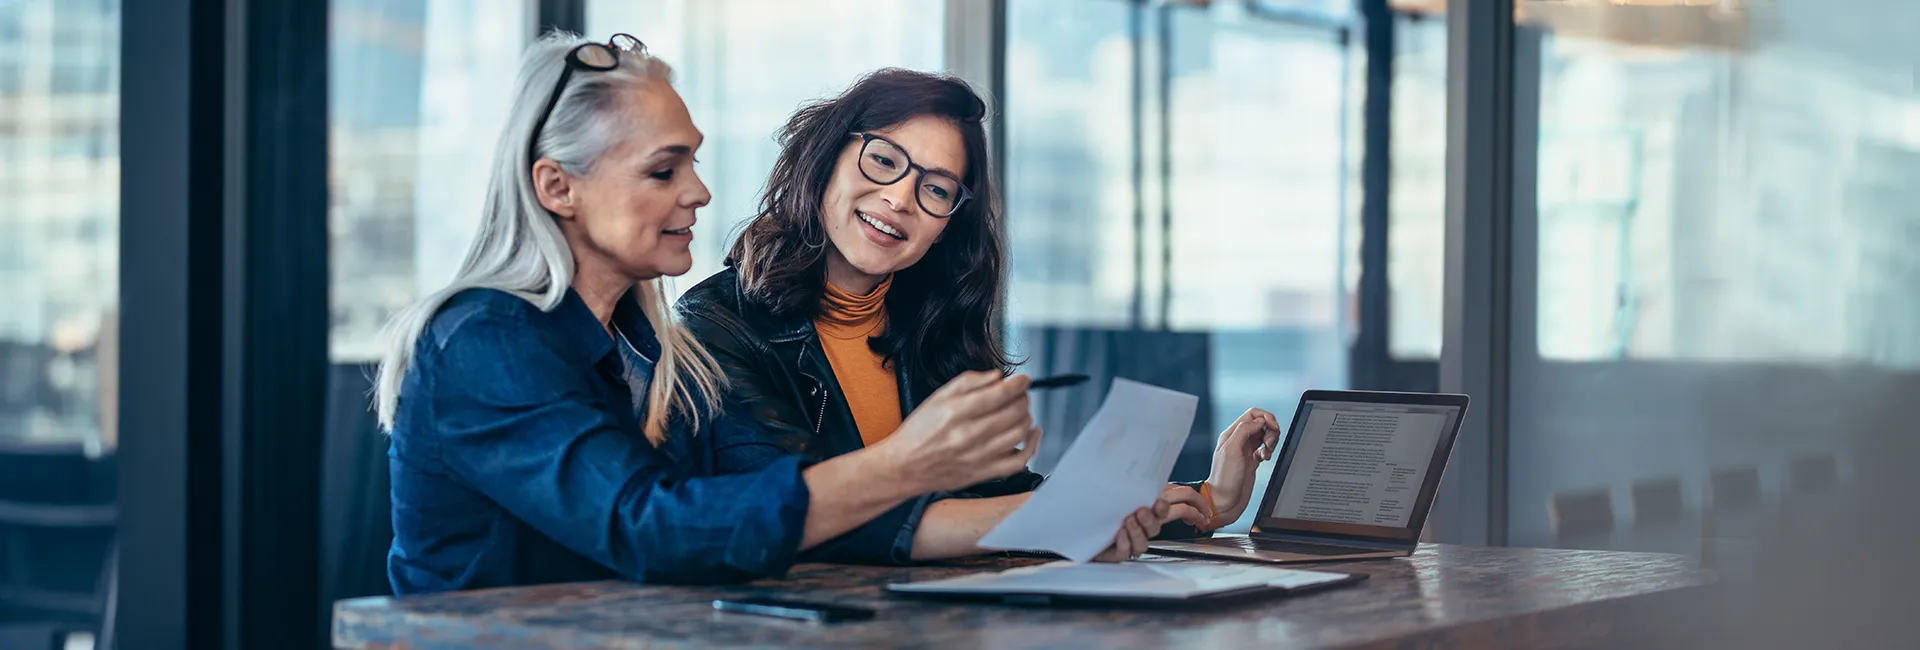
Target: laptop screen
[[1361, 468]]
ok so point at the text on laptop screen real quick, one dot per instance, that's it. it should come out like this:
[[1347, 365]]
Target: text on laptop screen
[[1360, 463]]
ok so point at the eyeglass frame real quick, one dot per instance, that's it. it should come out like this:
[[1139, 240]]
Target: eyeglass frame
[[866, 139], [613, 48]]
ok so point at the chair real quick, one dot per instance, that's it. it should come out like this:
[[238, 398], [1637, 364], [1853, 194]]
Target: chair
[[1581, 519], [44, 610], [1812, 474], [1735, 521], [1661, 521], [1735, 488], [1657, 501]]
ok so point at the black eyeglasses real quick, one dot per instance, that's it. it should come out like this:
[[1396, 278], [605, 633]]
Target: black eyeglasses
[[598, 57], [884, 162]]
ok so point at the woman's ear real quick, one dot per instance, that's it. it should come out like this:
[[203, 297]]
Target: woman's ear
[[553, 188]]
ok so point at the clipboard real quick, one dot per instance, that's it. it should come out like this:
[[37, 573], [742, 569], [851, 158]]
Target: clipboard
[[1154, 582]]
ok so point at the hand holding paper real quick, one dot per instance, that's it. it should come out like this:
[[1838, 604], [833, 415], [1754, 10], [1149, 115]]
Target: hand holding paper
[[1119, 463]]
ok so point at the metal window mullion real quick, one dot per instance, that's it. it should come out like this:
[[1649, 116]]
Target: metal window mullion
[[975, 49], [564, 15], [1371, 348], [1479, 248], [975, 36], [1164, 94], [170, 473], [1136, 35]]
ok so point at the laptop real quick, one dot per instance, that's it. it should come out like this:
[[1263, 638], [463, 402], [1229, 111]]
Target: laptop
[[1354, 480]]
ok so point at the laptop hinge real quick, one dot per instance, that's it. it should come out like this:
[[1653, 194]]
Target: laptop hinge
[[1335, 541]]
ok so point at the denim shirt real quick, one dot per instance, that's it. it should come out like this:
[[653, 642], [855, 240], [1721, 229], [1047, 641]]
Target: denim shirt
[[517, 458]]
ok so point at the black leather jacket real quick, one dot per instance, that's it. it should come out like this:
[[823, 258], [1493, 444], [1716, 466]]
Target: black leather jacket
[[779, 376]]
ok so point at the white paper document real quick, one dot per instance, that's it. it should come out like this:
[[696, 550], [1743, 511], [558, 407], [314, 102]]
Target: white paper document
[[1130, 579], [1119, 463]]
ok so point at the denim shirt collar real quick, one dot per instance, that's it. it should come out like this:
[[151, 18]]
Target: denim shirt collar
[[584, 332]]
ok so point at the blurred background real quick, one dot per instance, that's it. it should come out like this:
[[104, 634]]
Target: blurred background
[[1689, 317]]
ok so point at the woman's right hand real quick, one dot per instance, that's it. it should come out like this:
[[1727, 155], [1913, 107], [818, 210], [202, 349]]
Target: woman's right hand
[[1177, 502], [1135, 531], [975, 428]]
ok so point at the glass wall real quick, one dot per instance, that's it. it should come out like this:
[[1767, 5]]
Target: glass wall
[[419, 91], [1724, 304], [1178, 197], [1261, 121], [59, 293], [59, 219], [1073, 179], [420, 88], [1676, 201], [744, 66], [1417, 192]]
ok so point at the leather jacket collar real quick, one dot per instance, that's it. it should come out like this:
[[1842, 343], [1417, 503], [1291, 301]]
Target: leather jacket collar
[[777, 370]]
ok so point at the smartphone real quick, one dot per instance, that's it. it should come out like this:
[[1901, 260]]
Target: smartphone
[[1058, 381], [794, 609]]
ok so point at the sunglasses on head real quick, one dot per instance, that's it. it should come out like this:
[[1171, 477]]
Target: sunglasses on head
[[596, 57]]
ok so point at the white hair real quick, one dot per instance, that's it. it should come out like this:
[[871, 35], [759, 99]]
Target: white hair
[[519, 248]]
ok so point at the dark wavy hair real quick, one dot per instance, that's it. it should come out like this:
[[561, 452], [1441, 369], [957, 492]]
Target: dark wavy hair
[[943, 312]]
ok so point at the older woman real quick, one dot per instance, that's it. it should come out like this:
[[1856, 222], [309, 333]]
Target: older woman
[[551, 422]]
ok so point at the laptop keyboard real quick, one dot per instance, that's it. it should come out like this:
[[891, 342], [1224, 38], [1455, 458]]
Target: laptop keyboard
[[1301, 548]]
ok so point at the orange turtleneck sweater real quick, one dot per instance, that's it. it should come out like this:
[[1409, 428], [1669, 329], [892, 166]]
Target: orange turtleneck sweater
[[844, 324]]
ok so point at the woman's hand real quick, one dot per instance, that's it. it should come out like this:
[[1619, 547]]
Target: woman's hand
[[1186, 504], [1245, 443], [1131, 541], [1177, 502], [975, 428]]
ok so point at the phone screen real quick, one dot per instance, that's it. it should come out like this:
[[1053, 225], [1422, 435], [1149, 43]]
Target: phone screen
[[794, 609]]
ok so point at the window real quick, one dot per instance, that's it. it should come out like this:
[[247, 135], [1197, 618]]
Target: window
[[1417, 195], [1257, 119], [1724, 261], [1176, 194], [59, 215], [744, 66], [1675, 190], [419, 89], [1257, 148], [59, 296], [1070, 191]]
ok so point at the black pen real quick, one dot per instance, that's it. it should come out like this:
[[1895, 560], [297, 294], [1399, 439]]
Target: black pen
[[1058, 381]]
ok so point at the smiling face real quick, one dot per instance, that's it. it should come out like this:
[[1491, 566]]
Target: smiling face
[[633, 212], [879, 229]]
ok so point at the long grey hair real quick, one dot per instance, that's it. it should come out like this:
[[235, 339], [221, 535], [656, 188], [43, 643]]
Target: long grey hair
[[519, 248]]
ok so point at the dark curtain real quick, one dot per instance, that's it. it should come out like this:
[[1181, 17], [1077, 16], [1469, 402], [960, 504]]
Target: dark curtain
[[356, 525]]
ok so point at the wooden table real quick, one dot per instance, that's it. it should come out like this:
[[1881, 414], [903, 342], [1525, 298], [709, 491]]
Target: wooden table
[[1442, 597]]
